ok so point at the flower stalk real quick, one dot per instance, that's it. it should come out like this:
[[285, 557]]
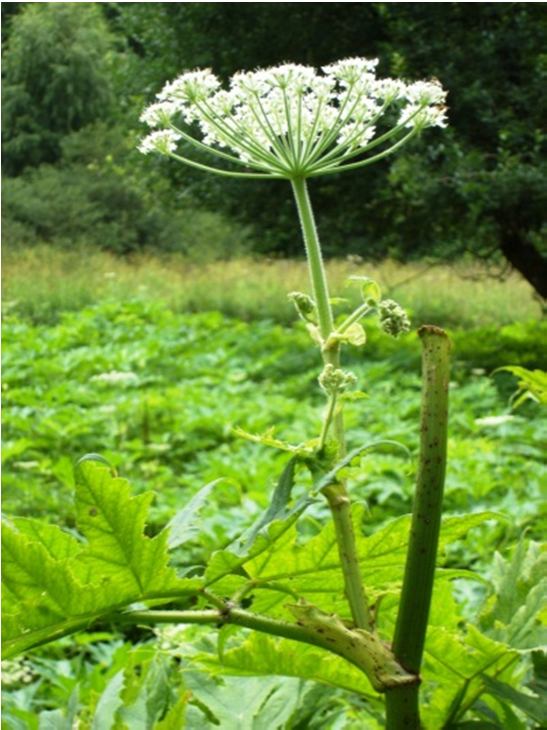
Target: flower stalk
[[336, 494]]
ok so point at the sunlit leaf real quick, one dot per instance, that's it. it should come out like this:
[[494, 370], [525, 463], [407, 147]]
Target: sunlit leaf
[[55, 584]]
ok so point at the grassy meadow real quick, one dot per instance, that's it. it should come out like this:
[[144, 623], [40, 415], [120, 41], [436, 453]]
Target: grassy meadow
[[40, 282]]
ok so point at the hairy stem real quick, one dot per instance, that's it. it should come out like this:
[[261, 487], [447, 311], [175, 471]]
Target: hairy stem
[[410, 628], [354, 317], [315, 259], [336, 494]]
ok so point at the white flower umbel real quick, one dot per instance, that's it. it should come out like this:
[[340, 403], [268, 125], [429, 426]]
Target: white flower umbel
[[291, 121]]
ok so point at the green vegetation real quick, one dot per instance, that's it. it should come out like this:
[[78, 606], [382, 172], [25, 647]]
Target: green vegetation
[[134, 381]]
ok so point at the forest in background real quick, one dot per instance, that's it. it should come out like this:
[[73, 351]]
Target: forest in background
[[76, 77]]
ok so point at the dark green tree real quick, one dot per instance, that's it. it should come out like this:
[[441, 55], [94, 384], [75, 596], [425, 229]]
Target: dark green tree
[[482, 187], [56, 79]]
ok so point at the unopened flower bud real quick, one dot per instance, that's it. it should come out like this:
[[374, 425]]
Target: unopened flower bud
[[393, 318], [304, 304]]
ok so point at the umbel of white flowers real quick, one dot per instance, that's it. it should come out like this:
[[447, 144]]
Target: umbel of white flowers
[[291, 121]]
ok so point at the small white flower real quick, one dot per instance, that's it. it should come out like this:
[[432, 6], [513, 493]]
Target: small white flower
[[351, 70], [494, 420], [426, 92], [190, 87], [414, 115], [163, 141], [160, 114]]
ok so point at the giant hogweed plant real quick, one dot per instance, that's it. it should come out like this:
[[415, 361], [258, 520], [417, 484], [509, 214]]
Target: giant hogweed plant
[[339, 608]]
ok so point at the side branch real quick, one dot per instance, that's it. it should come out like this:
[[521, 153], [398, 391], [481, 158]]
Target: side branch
[[229, 615], [361, 648]]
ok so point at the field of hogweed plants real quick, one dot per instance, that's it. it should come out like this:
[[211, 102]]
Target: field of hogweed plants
[[160, 395], [208, 520]]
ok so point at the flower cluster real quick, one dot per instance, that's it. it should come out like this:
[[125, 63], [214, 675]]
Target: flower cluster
[[393, 318], [335, 380], [291, 120]]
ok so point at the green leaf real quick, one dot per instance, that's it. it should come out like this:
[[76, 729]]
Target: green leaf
[[268, 439], [236, 703], [184, 526], [277, 509], [453, 671], [511, 614], [175, 718], [224, 562], [263, 656], [532, 384], [352, 395], [534, 706], [146, 692], [58, 543], [55, 584], [267, 530], [109, 703], [53, 720], [113, 521], [354, 335], [312, 570], [273, 535], [60, 719], [369, 288]]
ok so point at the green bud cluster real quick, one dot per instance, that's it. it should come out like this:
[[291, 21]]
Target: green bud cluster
[[335, 380], [393, 318]]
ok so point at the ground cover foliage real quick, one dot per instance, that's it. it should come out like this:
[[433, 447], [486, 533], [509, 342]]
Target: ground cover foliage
[[158, 394]]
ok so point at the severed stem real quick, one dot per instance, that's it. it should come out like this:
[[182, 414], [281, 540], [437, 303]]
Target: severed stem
[[411, 626]]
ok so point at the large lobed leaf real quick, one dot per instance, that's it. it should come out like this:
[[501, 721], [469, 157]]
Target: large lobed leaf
[[56, 583], [261, 655], [286, 567]]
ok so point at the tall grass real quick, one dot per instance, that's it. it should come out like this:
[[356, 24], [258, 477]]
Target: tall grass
[[43, 281]]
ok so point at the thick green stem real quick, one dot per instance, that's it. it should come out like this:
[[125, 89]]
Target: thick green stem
[[336, 495], [410, 629], [340, 507]]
